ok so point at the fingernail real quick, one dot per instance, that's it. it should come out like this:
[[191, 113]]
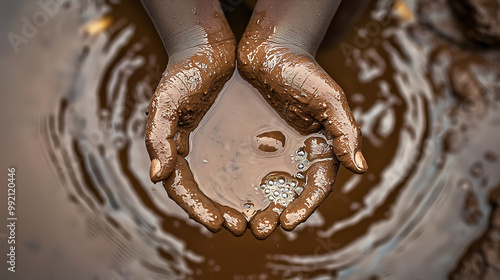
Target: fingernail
[[290, 220], [360, 161], [154, 172]]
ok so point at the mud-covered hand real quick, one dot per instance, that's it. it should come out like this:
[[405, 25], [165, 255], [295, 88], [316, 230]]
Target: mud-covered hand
[[201, 50]]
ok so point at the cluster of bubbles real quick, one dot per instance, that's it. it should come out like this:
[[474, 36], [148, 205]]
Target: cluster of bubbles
[[281, 190], [301, 162], [284, 189]]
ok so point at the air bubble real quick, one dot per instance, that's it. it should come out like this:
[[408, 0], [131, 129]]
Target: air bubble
[[248, 205]]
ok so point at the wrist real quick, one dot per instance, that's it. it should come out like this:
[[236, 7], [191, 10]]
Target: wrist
[[295, 24], [210, 33], [270, 31]]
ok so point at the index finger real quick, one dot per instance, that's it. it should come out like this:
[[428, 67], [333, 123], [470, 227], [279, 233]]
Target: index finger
[[182, 188]]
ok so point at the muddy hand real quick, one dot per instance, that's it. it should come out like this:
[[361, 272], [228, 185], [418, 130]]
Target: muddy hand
[[183, 189], [276, 55], [292, 199], [201, 50]]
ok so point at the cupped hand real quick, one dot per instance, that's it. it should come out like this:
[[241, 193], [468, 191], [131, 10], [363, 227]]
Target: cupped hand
[[188, 88]]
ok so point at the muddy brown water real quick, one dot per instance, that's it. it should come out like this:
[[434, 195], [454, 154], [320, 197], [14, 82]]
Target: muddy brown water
[[234, 147], [73, 123]]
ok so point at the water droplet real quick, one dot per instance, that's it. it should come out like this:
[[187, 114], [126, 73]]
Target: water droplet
[[300, 166], [284, 195], [301, 153], [263, 186], [271, 198], [281, 181], [276, 193], [205, 160]]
